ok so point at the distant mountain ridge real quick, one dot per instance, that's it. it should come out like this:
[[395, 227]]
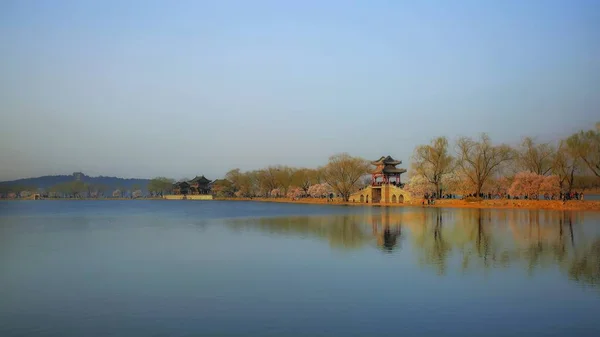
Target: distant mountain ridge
[[46, 182]]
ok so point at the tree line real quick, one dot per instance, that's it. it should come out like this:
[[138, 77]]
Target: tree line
[[73, 189], [477, 166], [341, 176], [472, 166]]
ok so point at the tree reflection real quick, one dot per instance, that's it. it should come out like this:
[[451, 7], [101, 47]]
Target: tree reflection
[[486, 239], [350, 231], [585, 265], [430, 240], [342, 231], [477, 239]]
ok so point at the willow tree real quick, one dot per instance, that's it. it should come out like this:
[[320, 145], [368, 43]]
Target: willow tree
[[565, 165], [586, 145], [479, 159], [343, 173], [304, 178], [536, 158], [433, 161]]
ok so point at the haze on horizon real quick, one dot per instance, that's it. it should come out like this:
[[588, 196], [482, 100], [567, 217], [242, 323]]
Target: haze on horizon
[[157, 88]]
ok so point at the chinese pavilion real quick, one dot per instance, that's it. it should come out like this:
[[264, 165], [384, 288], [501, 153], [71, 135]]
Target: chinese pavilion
[[199, 185], [386, 171], [385, 187]]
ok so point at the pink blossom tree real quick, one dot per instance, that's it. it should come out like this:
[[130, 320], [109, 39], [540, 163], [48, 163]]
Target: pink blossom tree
[[275, 193], [526, 184], [319, 190], [550, 185], [295, 193]]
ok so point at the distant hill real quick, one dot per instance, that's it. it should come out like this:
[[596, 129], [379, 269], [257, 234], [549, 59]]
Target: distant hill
[[46, 182]]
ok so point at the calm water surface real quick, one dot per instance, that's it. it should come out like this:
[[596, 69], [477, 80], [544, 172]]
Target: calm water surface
[[189, 268]]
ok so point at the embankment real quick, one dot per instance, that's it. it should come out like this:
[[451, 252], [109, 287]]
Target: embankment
[[576, 205]]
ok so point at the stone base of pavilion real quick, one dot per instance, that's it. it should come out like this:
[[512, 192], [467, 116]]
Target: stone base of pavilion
[[381, 194], [188, 197]]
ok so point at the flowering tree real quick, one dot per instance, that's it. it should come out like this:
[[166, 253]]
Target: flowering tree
[[418, 186], [457, 183], [137, 194], [295, 193], [276, 193], [526, 184], [550, 185], [319, 190]]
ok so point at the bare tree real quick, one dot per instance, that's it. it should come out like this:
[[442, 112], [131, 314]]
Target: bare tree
[[537, 158], [267, 179], [433, 161], [565, 165], [343, 173], [479, 159], [586, 145], [284, 178]]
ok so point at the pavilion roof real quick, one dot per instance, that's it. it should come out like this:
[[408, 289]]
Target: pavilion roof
[[386, 161], [389, 169], [200, 180]]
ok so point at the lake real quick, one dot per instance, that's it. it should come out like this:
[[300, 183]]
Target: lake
[[218, 268]]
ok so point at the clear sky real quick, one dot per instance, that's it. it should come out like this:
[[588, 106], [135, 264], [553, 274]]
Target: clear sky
[[179, 88]]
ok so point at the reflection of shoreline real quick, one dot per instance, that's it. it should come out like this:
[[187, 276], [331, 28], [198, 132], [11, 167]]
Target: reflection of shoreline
[[479, 238]]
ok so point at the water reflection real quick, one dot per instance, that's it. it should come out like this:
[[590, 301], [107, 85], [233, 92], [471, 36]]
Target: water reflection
[[386, 227], [350, 231], [534, 239], [469, 240], [341, 231]]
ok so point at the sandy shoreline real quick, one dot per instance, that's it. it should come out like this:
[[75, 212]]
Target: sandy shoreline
[[575, 205], [572, 205]]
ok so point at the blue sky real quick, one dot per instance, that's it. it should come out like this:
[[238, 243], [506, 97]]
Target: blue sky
[[179, 88]]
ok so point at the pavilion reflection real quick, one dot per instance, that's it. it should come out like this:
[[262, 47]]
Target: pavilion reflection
[[386, 227]]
